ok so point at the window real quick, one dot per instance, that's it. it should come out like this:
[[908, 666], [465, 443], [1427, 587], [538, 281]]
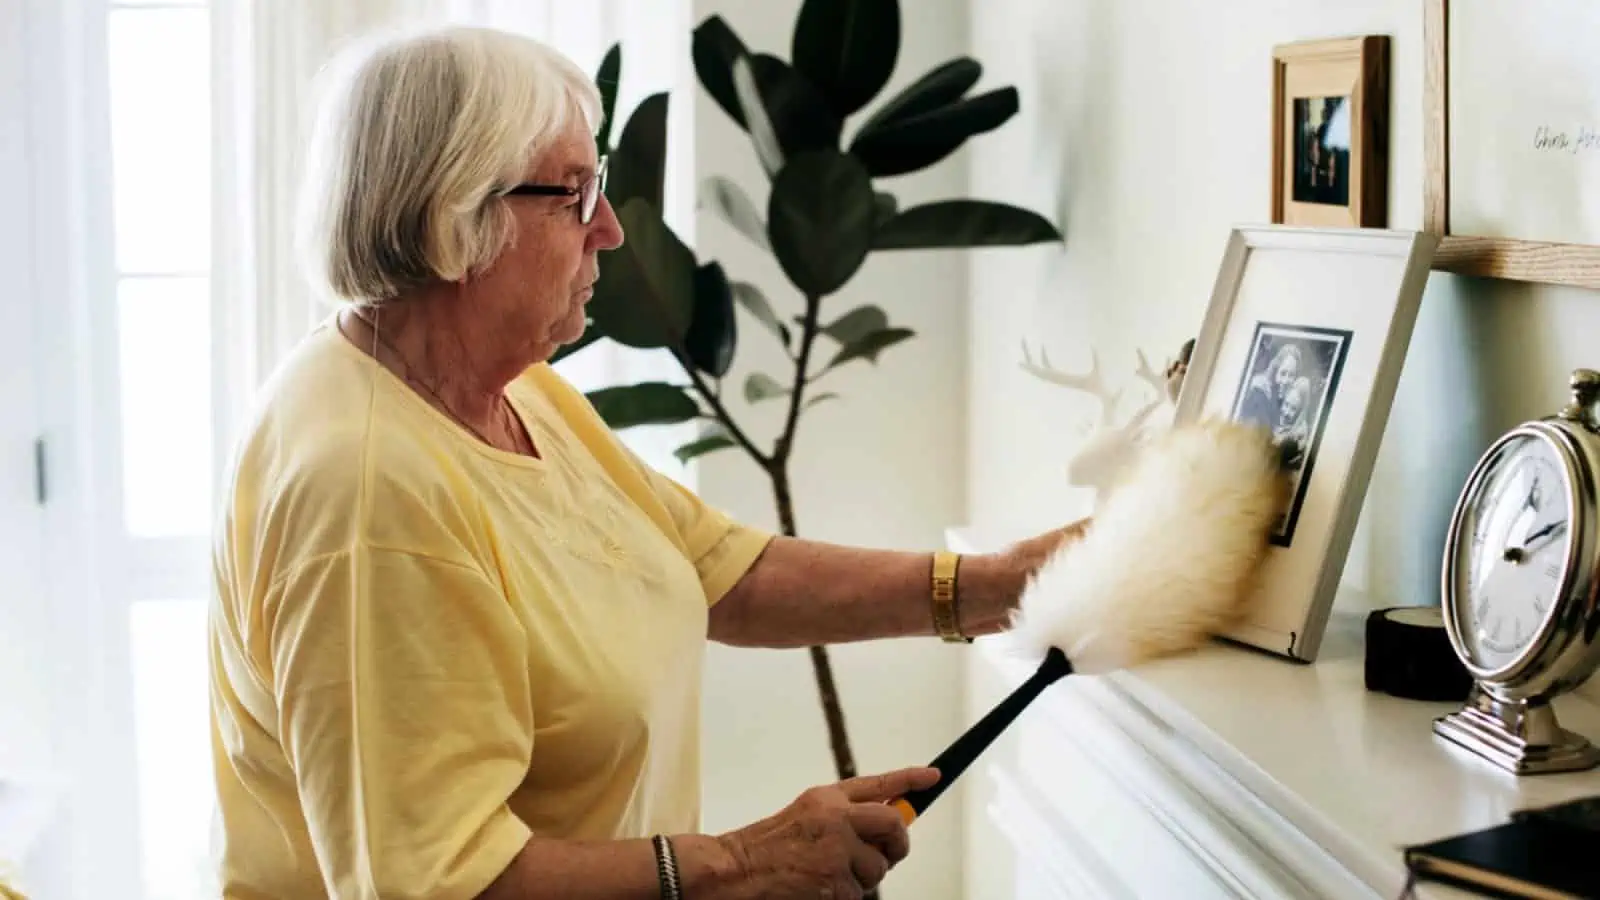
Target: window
[[158, 104]]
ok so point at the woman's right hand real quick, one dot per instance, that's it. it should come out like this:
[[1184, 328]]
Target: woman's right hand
[[836, 840]]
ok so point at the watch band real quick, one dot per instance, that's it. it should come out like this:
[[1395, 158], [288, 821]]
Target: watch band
[[946, 609]]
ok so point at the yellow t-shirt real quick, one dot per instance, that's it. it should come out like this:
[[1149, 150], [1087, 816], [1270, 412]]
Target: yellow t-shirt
[[423, 649]]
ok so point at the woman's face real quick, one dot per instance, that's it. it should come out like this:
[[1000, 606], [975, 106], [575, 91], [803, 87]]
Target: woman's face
[[1288, 369], [1294, 402], [538, 286]]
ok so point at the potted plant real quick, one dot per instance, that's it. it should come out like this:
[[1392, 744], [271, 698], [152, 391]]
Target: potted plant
[[828, 208]]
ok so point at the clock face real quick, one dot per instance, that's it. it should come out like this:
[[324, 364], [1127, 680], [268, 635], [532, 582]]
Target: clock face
[[1517, 542]]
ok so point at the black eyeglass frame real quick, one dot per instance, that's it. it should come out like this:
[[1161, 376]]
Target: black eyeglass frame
[[589, 192]]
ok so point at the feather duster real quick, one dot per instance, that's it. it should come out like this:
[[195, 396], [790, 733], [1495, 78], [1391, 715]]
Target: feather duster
[[1168, 561]]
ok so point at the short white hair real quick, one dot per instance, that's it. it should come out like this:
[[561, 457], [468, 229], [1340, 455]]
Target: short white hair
[[415, 134]]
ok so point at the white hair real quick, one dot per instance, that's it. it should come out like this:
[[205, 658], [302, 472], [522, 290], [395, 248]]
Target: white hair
[[414, 136]]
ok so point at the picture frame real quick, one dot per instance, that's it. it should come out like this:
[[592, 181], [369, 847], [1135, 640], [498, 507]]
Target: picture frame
[[1306, 333], [1511, 255], [1330, 132]]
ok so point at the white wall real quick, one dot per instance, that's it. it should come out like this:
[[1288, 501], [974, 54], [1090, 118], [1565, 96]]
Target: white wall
[[1145, 125], [883, 466]]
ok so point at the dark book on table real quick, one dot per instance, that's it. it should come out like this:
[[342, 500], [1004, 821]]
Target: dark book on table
[[1543, 854]]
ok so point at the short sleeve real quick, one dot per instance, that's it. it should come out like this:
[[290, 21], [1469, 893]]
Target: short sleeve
[[405, 710], [722, 549]]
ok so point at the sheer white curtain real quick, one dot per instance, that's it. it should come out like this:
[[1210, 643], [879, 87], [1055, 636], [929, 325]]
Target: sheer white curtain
[[268, 52]]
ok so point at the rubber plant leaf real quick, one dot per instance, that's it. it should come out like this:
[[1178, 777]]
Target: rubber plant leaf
[[908, 145], [728, 200], [714, 47], [638, 165], [607, 79], [939, 88], [964, 223], [713, 332], [645, 403], [820, 217], [847, 49], [756, 304], [702, 446], [645, 295]]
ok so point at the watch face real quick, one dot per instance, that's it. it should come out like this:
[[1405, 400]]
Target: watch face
[[1517, 543]]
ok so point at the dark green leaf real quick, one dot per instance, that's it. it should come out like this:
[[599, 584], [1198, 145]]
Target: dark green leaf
[[703, 446], [801, 119], [645, 295], [825, 395], [607, 80], [920, 141], [712, 331], [638, 166], [884, 209], [964, 223], [645, 403], [820, 219], [857, 324], [760, 386], [714, 49], [589, 336], [940, 87], [750, 297], [847, 49], [724, 196], [869, 346]]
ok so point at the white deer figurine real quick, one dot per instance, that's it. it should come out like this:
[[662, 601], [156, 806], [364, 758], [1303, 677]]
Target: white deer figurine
[[1110, 447]]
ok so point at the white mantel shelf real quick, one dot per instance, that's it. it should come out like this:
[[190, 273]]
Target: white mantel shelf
[[1285, 779]]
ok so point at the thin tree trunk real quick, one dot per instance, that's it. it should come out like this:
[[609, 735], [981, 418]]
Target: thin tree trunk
[[844, 761], [838, 737]]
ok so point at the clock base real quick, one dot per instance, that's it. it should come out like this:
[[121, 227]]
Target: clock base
[[1520, 736]]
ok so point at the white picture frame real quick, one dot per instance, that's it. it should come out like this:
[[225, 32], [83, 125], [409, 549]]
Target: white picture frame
[[1307, 331]]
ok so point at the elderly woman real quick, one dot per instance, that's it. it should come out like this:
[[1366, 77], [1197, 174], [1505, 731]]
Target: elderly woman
[[458, 630]]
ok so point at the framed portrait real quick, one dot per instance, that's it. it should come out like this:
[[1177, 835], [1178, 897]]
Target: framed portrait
[[1330, 145], [1305, 335], [1511, 179]]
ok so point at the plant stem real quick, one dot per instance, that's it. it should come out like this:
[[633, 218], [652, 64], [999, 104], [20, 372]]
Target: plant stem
[[778, 470], [832, 711], [714, 400], [808, 337]]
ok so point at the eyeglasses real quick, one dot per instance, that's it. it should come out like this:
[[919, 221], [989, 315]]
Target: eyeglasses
[[588, 193]]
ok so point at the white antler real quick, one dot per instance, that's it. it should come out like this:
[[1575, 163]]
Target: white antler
[[1092, 382], [1150, 376]]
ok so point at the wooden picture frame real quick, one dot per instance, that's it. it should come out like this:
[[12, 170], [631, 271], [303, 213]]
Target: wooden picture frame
[[1330, 134], [1538, 261], [1306, 332]]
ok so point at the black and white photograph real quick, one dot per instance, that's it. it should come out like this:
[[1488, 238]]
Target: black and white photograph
[[1288, 385], [1322, 150]]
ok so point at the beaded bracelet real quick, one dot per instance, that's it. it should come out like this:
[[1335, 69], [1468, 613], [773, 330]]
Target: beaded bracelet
[[667, 868]]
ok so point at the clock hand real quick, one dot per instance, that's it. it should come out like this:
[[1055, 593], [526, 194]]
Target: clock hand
[[1549, 532]]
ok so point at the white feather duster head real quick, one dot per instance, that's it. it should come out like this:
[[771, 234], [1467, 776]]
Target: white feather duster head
[[1170, 556]]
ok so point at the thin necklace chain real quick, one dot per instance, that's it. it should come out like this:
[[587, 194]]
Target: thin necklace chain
[[378, 338]]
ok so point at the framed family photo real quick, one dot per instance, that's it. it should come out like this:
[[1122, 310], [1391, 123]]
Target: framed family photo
[[1330, 112], [1305, 335]]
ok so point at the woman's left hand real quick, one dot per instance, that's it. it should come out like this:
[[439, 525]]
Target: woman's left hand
[[1028, 555], [996, 581]]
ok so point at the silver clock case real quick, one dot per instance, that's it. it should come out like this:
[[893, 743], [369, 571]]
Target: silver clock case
[[1508, 718]]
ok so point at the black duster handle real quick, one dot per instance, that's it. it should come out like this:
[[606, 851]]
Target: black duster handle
[[959, 756]]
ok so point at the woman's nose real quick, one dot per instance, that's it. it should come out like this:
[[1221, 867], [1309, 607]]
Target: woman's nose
[[605, 232]]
